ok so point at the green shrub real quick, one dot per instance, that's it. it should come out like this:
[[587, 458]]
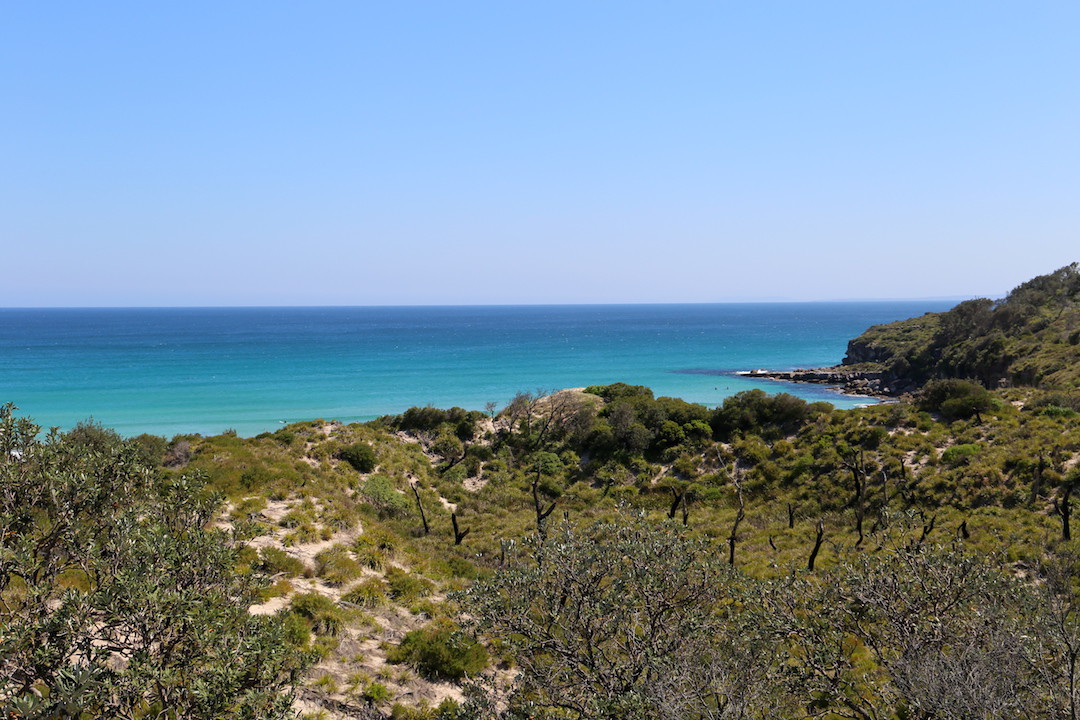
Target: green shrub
[[275, 560], [956, 399], [307, 533], [249, 507], [448, 709], [620, 390], [360, 455], [480, 452], [370, 556], [336, 566], [440, 651], [462, 568], [325, 645], [960, 454], [370, 593], [376, 693], [380, 493], [1059, 398], [322, 614], [429, 418], [296, 630], [756, 412], [1056, 411], [384, 540], [341, 518], [150, 449], [406, 587], [295, 518]]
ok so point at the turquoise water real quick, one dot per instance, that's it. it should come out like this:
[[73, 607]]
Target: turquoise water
[[168, 370]]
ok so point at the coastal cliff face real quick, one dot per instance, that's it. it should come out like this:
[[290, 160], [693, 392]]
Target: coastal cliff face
[[885, 345], [860, 351]]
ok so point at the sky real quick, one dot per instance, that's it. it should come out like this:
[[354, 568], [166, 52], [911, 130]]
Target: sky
[[401, 153]]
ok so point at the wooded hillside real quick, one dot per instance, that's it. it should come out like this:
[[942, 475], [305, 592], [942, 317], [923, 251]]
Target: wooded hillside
[[1031, 337], [579, 554]]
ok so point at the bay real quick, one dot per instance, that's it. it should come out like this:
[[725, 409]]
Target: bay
[[184, 370]]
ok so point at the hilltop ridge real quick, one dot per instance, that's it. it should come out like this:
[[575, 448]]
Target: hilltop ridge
[[1029, 338]]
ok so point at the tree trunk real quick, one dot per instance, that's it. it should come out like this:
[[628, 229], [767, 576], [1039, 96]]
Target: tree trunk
[[541, 514], [677, 497], [927, 529], [817, 544], [420, 505], [458, 534], [1036, 480], [735, 526], [1064, 509]]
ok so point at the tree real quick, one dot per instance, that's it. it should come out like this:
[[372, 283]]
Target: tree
[[919, 632], [629, 620], [543, 463], [115, 601]]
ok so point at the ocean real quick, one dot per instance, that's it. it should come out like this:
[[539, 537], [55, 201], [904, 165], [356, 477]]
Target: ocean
[[204, 370]]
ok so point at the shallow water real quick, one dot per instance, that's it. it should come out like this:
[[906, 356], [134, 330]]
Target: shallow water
[[174, 370]]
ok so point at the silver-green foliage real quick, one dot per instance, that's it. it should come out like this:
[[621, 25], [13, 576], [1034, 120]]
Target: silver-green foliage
[[628, 620], [635, 620], [115, 601]]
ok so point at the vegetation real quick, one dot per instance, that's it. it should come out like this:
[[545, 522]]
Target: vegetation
[[633, 620], [360, 456], [115, 601], [441, 650], [1031, 337], [579, 554]]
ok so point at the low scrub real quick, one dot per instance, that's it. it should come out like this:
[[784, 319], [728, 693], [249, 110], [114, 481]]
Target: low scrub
[[440, 651]]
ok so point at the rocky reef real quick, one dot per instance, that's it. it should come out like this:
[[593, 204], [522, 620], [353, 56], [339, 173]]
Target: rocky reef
[[851, 382]]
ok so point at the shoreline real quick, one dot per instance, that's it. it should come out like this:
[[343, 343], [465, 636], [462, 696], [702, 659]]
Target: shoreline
[[853, 383]]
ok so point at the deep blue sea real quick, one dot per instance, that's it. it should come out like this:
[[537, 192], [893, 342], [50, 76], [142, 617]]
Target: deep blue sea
[[183, 370]]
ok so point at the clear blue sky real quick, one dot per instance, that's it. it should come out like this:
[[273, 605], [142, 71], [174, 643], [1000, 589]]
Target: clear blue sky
[[357, 153]]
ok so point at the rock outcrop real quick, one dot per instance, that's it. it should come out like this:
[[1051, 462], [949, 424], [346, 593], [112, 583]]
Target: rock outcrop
[[852, 382]]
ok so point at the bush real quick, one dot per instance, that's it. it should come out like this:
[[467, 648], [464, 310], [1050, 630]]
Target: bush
[[360, 456], [429, 418], [756, 412], [462, 568], [336, 566], [620, 390], [156, 616], [370, 593], [1060, 400], [376, 693], [960, 454], [322, 614], [274, 560], [440, 651], [448, 709], [956, 399], [249, 507], [406, 587], [380, 493]]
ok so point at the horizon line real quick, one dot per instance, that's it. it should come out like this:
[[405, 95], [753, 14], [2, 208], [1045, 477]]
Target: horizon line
[[753, 301]]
